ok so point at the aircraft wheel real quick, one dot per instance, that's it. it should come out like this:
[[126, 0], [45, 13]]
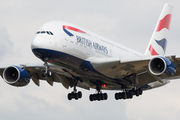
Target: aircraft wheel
[[140, 91], [101, 96], [69, 96], [130, 94], [91, 97], [79, 94], [76, 96], [117, 96], [105, 96], [49, 73], [124, 95], [43, 73], [98, 97], [137, 92]]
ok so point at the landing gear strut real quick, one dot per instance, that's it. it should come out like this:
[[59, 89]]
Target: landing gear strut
[[99, 96], [46, 71], [76, 95]]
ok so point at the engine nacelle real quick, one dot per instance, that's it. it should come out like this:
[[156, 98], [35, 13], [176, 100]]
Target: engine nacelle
[[16, 76], [162, 67]]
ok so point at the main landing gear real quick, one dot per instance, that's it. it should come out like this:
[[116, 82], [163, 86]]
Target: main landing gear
[[128, 94], [75, 95], [46, 71], [99, 96]]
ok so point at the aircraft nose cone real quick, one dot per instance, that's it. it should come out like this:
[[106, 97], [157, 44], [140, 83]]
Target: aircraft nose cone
[[41, 41], [39, 44], [36, 42]]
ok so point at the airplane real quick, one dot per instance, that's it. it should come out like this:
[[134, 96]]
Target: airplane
[[77, 57]]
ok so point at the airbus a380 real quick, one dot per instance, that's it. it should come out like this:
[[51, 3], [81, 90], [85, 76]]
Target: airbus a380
[[77, 57]]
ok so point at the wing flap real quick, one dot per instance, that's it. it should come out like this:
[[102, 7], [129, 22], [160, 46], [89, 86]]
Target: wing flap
[[145, 79], [35, 79]]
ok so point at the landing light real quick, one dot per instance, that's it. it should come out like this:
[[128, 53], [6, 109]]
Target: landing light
[[104, 85]]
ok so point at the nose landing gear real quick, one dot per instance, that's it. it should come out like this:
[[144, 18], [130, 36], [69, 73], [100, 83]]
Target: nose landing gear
[[46, 71]]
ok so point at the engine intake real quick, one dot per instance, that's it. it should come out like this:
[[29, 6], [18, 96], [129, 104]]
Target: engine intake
[[162, 67], [16, 76]]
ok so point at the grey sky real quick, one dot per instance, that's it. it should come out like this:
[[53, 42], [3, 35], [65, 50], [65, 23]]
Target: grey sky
[[129, 22]]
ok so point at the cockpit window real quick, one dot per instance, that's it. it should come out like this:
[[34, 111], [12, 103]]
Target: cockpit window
[[48, 32], [51, 33], [44, 32]]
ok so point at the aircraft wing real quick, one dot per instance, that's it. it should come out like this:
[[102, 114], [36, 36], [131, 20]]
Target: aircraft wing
[[110, 67], [58, 74], [125, 68]]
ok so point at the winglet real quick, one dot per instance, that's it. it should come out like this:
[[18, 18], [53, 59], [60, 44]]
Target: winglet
[[158, 41]]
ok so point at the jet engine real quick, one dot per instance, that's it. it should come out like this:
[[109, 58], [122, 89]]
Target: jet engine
[[162, 67], [16, 76]]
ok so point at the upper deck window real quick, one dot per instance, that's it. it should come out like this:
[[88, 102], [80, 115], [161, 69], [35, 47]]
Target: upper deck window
[[44, 32]]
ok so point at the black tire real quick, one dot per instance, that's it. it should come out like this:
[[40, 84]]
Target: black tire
[[43, 73], [133, 91], [120, 95], [49, 73], [91, 97], [137, 92], [130, 94], [101, 96], [98, 97], [117, 96], [80, 94], [94, 97], [124, 95], [76, 96], [140, 91], [127, 95], [105, 96], [69, 96]]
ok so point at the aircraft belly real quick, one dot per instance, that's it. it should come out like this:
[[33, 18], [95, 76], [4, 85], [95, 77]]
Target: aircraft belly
[[80, 69]]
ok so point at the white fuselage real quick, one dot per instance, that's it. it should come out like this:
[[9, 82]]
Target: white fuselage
[[73, 48], [81, 45]]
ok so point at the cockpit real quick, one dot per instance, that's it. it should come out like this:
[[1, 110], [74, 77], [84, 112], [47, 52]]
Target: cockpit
[[45, 32]]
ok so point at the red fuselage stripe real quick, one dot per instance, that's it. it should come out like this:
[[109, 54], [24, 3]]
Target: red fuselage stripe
[[72, 28]]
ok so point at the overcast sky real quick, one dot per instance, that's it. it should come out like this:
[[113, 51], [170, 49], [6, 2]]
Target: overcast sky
[[128, 22]]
